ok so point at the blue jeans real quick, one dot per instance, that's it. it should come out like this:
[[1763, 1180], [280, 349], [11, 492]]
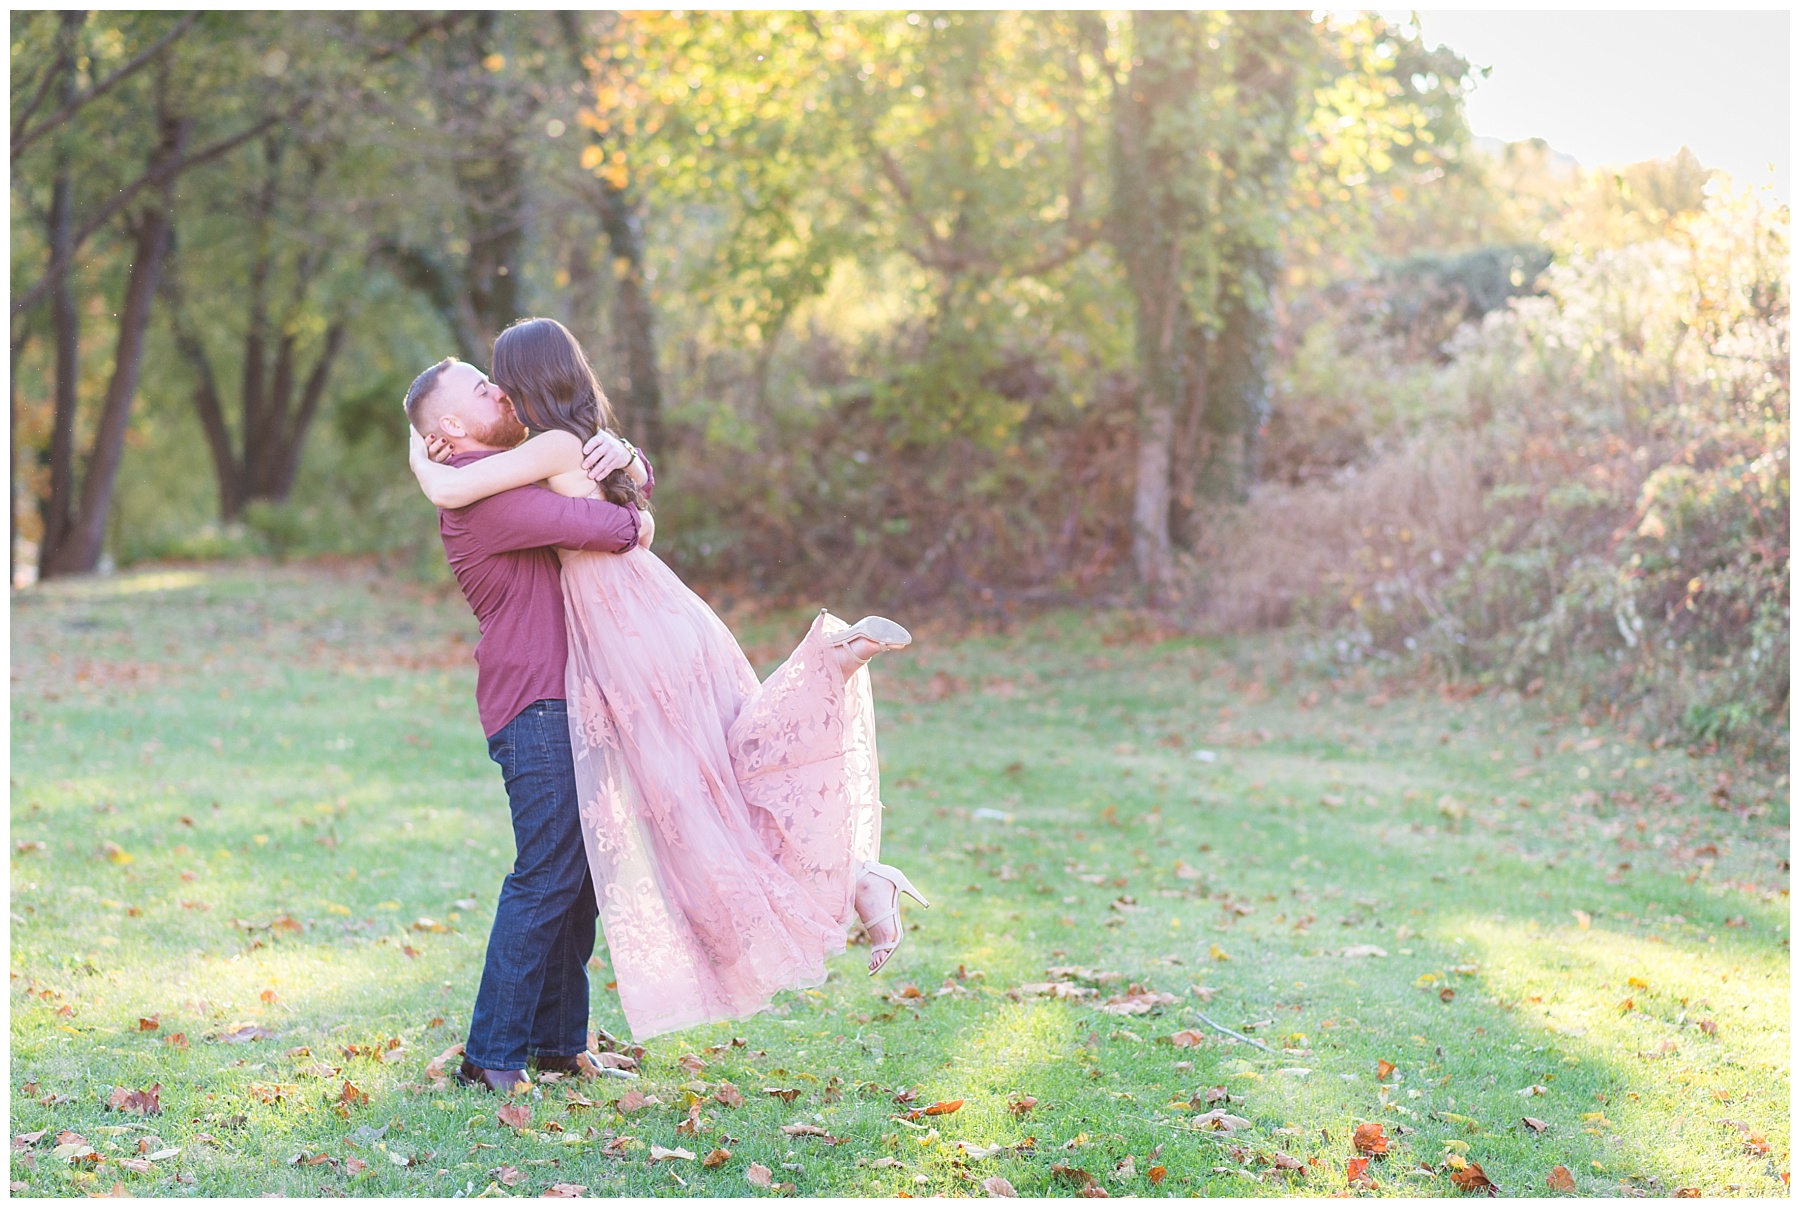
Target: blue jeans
[[534, 988]]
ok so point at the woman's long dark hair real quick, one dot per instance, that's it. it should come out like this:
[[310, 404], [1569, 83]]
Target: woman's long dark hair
[[547, 376]]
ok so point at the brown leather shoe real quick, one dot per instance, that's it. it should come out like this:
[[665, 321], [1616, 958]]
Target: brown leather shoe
[[503, 1081], [556, 1064]]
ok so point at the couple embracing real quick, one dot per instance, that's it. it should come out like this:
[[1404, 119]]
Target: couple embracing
[[724, 831]]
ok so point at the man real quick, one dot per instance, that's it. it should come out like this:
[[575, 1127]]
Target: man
[[533, 1000]]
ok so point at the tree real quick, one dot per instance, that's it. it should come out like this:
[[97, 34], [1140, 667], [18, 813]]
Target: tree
[[95, 191]]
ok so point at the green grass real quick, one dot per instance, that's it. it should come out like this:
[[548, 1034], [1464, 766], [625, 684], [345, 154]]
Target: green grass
[[203, 752]]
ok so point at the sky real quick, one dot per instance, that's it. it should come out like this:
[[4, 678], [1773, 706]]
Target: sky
[[1614, 87]]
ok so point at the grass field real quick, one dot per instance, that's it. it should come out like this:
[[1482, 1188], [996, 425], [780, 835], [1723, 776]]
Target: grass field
[[256, 803]]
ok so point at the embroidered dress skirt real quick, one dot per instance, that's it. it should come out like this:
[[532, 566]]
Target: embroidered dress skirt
[[724, 818]]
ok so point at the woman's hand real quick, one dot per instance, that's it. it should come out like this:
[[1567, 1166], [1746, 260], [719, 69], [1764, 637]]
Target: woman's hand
[[646, 529], [604, 453], [438, 449]]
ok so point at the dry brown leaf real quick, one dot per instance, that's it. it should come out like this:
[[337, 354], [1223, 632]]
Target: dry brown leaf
[[245, 1033], [1383, 1069], [728, 1095], [1022, 1104], [1187, 1038], [1073, 1174], [1356, 1173], [1370, 1139], [436, 1069], [717, 1157], [353, 1096], [758, 1175], [1473, 1178], [944, 1107], [516, 1116], [1559, 1179], [659, 1154], [1687, 1193], [138, 1103], [508, 1176], [632, 1101], [804, 1129], [565, 1191], [785, 1094], [995, 1185], [354, 1166], [1156, 1174], [149, 1023], [1534, 1124]]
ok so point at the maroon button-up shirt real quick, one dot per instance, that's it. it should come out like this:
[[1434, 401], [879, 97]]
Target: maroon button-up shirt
[[502, 550]]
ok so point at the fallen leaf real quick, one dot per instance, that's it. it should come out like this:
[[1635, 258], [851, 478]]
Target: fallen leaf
[[995, 1185], [804, 1130], [354, 1166], [509, 1176], [1534, 1124], [565, 1191], [515, 1116], [786, 1095], [691, 1062], [1446, 994], [245, 1033], [1281, 1161], [728, 1095], [351, 1096], [1187, 1038], [138, 1103], [1357, 951], [1218, 953], [1219, 1120], [149, 1023], [632, 1101], [717, 1157], [1583, 920], [758, 1175], [1370, 1139], [944, 1107], [1687, 1193], [1559, 1179], [659, 1154], [1021, 1105], [1473, 1178], [435, 1071], [1073, 1174], [1383, 1069], [176, 1040], [1356, 1173], [27, 1140]]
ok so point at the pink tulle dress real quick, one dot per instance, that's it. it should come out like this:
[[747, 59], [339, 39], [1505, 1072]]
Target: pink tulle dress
[[725, 819]]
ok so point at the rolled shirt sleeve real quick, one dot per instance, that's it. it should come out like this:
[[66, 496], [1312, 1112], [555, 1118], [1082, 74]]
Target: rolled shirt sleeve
[[532, 517]]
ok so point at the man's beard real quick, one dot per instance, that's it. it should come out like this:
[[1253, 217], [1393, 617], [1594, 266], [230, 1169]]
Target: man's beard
[[503, 433]]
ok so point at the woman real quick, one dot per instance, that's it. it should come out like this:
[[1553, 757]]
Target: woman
[[732, 826]]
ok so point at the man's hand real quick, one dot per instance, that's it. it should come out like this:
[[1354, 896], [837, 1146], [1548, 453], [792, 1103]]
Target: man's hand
[[604, 454], [646, 529]]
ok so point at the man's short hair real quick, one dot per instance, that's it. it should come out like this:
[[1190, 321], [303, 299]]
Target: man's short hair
[[420, 392]]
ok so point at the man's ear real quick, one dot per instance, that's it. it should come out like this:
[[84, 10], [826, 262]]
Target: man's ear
[[452, 426]]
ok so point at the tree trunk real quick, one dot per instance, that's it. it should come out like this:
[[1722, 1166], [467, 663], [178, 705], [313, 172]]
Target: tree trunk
[[286, 466], [80, 549], [207, 403], [638, 389], [634, 320], [64, 319]]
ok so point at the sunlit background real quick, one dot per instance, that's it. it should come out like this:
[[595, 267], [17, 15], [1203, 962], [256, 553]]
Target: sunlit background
[[1620, 86]]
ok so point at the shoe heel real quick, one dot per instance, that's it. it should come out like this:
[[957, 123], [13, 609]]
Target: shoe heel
[[901, 882]]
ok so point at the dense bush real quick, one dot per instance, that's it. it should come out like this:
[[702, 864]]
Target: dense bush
[[1593, 502]]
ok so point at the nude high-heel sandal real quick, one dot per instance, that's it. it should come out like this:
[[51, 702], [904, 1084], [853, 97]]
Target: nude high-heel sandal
[[901, 884], [889, 635]]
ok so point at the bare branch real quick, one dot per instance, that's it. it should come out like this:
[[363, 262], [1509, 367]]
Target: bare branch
[[81, 100], [155, 175]]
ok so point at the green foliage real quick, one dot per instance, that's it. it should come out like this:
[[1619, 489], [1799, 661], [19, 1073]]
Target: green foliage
[[1621, 452]]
